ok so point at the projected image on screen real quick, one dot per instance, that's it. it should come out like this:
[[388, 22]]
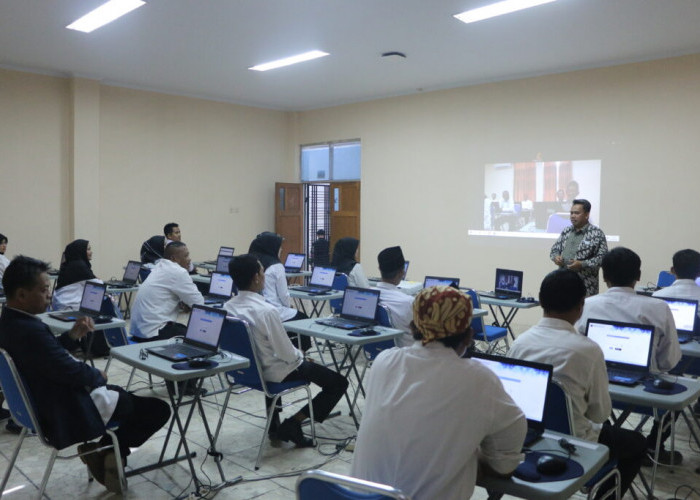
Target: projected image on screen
[[534, 198]]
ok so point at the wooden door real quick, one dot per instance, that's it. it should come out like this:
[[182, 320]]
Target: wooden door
[[345, 211], [289, 216]]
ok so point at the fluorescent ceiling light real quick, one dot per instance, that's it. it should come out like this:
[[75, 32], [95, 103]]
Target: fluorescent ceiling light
[[498, 9], [306, 56], [105, 13]]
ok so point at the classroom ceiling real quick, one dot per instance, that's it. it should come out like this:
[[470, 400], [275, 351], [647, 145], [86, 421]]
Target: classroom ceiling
[[203, 48]]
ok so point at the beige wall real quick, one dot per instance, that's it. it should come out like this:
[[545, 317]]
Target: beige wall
[[423, 162], [130, 161], [165, 158]]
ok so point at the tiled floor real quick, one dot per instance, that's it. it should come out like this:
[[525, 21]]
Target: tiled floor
[[239, 440]]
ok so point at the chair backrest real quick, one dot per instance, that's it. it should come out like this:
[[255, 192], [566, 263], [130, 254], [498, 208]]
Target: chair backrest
[[558, 413], [322, 485], [143, 274], [383, 317], [237, 338], [340, 282], [17, 395], [115, 337], [665, 279], [477, 323]]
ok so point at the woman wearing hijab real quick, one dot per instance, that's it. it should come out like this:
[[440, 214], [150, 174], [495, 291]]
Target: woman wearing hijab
[[266, 248], [345, 261], [75, 270]]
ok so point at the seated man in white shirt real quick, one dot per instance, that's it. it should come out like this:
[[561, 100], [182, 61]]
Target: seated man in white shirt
[[280, 360], [686, 269], [579, 367], [168, 289], [430, 415], [622, 269], [400, 305]]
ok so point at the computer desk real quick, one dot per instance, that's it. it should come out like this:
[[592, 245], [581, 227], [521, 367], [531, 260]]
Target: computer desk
[[590, 455], [505, 309], [636, 397], [353, 348], [58, 327], [125, 293], [136, 356], [317, 301]]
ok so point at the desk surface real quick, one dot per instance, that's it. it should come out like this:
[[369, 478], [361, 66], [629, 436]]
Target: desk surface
[[131, 355], [637, 395], [691, 349], [507, 303], [313, 329], [590, 455], [298, 274], [122, 289], [298, 294], [58, 326]]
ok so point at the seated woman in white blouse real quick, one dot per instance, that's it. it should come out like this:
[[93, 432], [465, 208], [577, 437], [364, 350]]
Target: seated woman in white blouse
[[75, 270], [266, 247], [345, 255]]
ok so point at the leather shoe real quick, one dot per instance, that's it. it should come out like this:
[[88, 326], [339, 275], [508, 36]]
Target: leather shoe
[[290, 430], [12, 427], [94, 461], [111, 473]]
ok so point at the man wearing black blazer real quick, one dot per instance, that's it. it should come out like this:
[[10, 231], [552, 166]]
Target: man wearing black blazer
[[72, 399]]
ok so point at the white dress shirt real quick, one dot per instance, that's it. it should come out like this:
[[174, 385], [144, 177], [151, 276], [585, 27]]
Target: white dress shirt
[[4, 262], [276, 353], [623, 304], [681, 289], [357, 277], [429, 417], [400, 307], [69, 296], [158, 299], [579, 366], [277, 293]]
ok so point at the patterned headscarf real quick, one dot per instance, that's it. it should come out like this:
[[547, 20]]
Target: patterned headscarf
[[441, 311]]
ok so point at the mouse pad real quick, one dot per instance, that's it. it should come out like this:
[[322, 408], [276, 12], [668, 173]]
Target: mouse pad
[[185, 365], [676, 389], [527, 470]]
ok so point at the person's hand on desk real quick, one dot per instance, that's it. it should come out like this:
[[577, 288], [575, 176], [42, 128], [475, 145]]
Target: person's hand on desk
[[184, 307], [81, 328], [576, 265]]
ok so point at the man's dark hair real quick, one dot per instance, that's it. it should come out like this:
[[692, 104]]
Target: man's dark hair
[[3, 239], [585, 203], [686, 264], [243, 269], [621, 267], [172, 248], [169, 228], [561, 291], [22, 272]]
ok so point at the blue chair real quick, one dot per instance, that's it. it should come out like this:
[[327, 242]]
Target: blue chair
[[322, 485], [559, 418], [489, 334], [23, 412], [237, 338], [383, 317], [665, 279], [143, 274], [340, 282]]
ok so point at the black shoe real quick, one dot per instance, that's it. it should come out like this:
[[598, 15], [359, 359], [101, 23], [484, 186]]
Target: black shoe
[[4, 414], [664, 458], [12, 427], [290, 430]]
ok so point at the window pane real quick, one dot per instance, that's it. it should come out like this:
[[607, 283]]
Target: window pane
[[346, 162], [314, 163]]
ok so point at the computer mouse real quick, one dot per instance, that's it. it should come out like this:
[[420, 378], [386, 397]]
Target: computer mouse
[[102, 319], [198, 363], [551, 465], [662, 384]]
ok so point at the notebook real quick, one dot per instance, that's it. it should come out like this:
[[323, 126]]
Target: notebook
[[131, 274], [358, 310], [321, 280], [626, 348], [220, 288], [526, 383], [508, 285], [294, 262], [226, 251], [90, 303], [438, 280], [201, 339], [685, 313]]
